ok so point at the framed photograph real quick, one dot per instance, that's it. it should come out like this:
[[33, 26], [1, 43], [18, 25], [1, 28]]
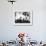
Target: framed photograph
[[23, 18]]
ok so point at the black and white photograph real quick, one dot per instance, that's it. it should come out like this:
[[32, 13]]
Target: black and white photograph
[[23, 18]]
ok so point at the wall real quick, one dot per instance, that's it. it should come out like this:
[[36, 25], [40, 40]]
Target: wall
[[9, 31]]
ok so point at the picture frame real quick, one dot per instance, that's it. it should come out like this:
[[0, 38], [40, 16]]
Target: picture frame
[[23, 18]]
